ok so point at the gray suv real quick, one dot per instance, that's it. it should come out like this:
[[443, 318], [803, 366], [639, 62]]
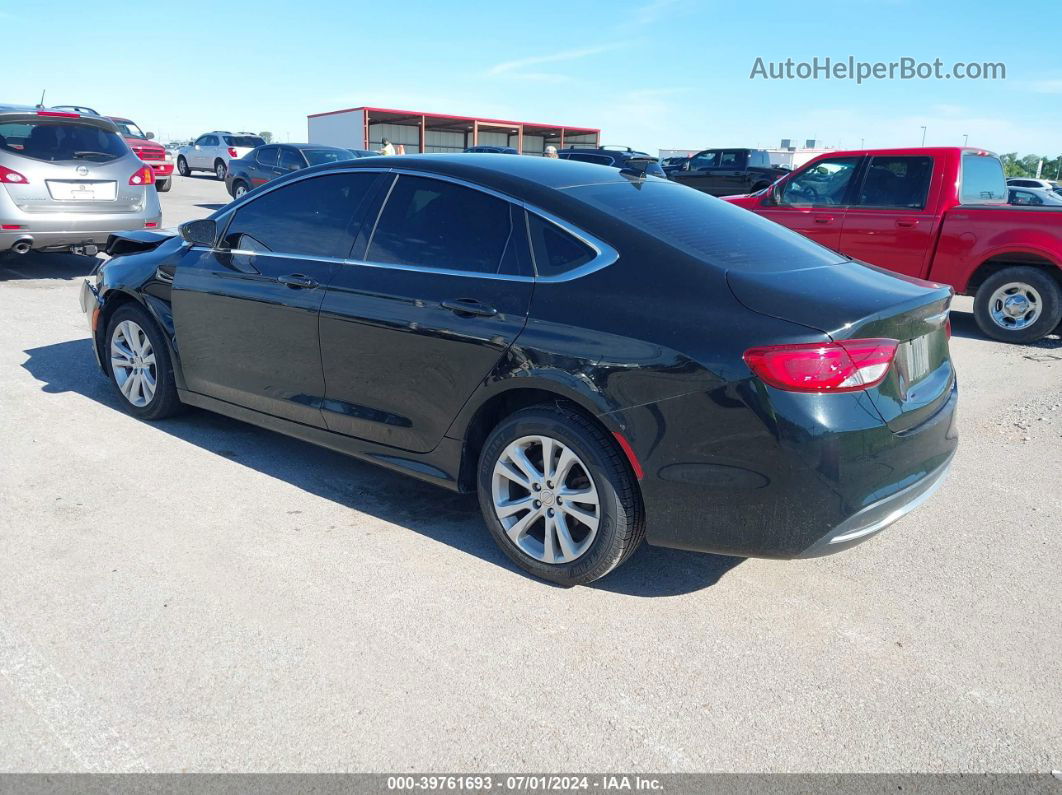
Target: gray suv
[[67, 181]]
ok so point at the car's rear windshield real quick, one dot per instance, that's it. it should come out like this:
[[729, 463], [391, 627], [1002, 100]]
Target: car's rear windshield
[[317, 156], [710, 229], [244, 140], [982, 180], [55, 141]]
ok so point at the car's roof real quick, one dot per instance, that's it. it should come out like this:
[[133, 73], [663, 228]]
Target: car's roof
[[521, 175]]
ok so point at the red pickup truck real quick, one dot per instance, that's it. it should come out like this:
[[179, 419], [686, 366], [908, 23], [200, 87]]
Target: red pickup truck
[[935, 213], [152, 153]]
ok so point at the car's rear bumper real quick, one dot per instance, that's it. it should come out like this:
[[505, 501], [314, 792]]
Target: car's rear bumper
[[798, 476], [161, 168], [62, 230]]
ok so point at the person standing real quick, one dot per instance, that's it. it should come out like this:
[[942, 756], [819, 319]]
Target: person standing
[[387, 149]]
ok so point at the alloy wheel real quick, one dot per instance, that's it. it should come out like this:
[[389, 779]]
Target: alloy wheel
[[1015, 306], [239, 190], [220, 170], [545, 499], [133, 363]]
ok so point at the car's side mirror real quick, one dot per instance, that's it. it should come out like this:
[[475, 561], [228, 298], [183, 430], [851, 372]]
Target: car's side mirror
[[150, 135], [202, 232]]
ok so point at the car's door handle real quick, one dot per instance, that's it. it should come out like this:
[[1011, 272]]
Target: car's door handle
[[824, 219], [298, 281], [908, 222], [469, 307]]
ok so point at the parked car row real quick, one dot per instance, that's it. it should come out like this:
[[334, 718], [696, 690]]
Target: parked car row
[[270, 161]]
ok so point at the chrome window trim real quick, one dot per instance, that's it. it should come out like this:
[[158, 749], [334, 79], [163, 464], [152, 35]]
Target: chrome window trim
[[605, 254]]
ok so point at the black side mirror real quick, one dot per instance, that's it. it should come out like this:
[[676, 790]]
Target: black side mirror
[[150, 135], [203, 232]]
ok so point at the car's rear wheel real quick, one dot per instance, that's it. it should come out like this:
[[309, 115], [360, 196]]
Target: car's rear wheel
[[163, 185], [182, 167], [558, 496], [220, 170], [1019, 304], [139, 364], [239, 188]]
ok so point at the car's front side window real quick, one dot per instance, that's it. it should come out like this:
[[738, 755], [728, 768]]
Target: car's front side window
[[311, 217], [705, 160], [432, 223], [823, 185]]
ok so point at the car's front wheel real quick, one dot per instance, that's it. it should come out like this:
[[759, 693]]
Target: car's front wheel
[[1018, 304], [182, 167], [220, 170], [558, 495], [139, 364]]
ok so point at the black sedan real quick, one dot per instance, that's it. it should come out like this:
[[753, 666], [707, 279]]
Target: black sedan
[[601, 356], [266, 163]]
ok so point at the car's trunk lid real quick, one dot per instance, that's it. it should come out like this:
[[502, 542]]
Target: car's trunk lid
[[851, 300]]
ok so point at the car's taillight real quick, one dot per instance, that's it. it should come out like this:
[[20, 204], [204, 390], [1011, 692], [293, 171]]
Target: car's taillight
[[142, 176], [232, 152], [845, 366], [9, 175]]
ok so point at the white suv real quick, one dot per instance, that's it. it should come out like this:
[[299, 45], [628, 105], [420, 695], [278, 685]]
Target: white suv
[[1029, 182], [212, 151]]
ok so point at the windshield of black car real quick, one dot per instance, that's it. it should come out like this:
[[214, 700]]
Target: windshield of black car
[[244, 140], [317, 156], [54, 141], [707, 228], [128, 129]]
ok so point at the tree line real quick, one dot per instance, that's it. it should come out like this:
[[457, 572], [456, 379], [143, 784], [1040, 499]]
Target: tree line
[[1026, 166]]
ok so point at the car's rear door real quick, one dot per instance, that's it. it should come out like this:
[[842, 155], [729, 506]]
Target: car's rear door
[[437, 292], [264, 165], [890, 222], [813, 201], [246, 311]]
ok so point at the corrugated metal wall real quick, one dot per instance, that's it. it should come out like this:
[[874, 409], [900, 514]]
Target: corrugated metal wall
[[407, 135], [337, 129]]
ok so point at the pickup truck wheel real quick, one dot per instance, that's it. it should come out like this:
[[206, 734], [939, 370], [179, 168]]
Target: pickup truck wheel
[[163, 185], [182, 167], [1020, 304], [219, 170]]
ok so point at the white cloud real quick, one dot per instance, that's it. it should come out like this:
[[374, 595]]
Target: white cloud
[[514, 68]]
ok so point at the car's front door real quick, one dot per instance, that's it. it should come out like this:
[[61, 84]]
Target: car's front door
[[264, 166], [438, 291], [813, 201], [246, 311], [698, 170]]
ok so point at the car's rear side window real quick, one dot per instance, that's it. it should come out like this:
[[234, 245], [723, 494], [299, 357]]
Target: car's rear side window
[[62, 141], [892, 181], [267, 155], [431, 223], [982, 180], [710, 229], [556, 251], [310, 217], [243, 140]]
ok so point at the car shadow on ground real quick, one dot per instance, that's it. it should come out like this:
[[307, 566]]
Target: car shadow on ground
[[34, 265], [441, 515], [964, 325]]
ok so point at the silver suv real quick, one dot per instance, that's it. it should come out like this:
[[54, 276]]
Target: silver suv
[[212, 151], [67, 181]]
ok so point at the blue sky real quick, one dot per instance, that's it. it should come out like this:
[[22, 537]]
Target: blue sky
[[651, 73]]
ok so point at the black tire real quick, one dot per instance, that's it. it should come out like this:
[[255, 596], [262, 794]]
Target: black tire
[[1039, 280], [182, 167], [164, 185], [220, 169], [164, 402], [236, 185], [621, 524]]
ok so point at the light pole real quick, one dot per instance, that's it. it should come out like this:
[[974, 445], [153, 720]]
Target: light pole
[[923, 135], [965, 138]]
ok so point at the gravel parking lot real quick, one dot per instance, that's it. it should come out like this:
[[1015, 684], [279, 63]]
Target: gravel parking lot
[[203, 595]]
